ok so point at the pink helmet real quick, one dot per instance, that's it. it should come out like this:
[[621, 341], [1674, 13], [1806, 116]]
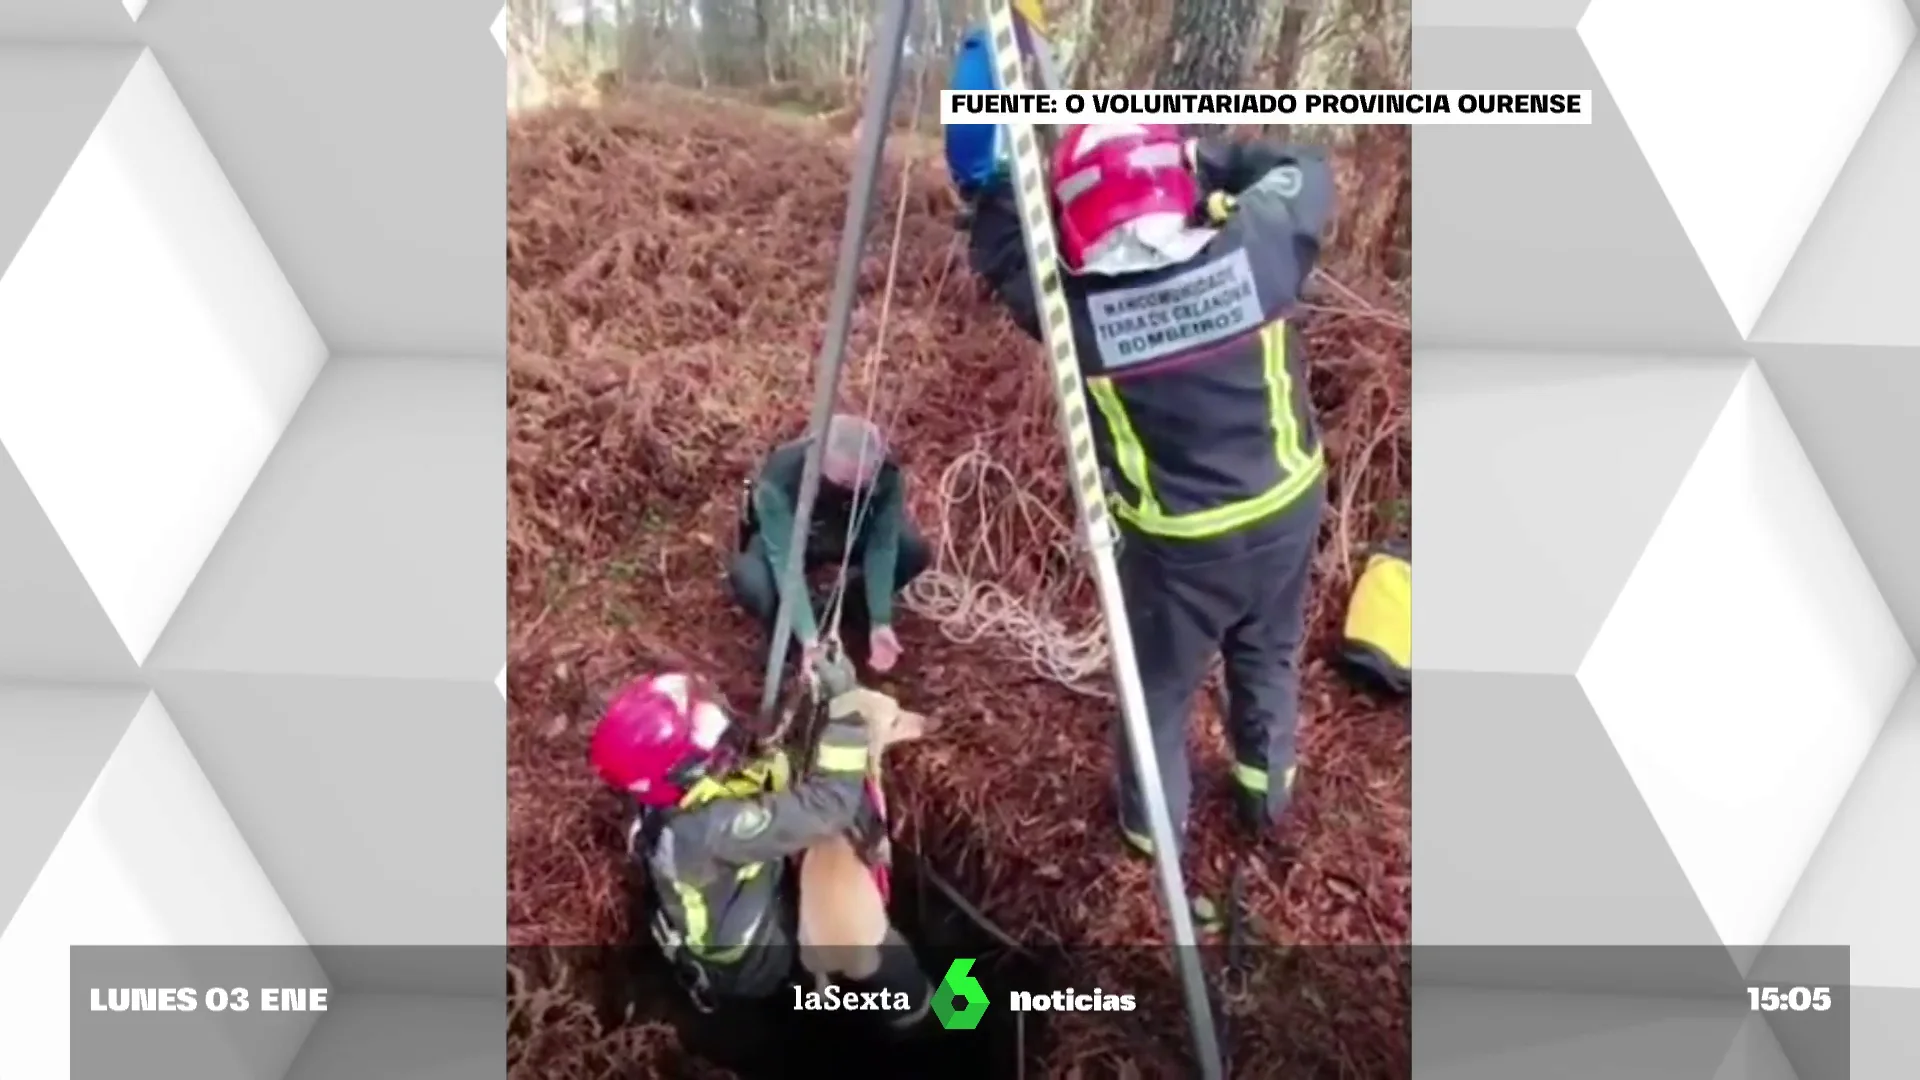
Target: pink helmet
[[1107, 176], [656, 738]]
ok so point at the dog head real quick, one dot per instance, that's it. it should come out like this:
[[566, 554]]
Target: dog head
[[887, 723]]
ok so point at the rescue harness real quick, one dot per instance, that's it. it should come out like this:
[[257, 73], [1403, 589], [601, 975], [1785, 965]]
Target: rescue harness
[[685, 946]]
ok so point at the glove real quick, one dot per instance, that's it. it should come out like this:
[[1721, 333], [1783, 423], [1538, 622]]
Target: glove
[[1216, 208], [976, 153]]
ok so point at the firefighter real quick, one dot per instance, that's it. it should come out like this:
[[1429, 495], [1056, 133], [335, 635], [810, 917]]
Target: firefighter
[[883, 554], [1183, 261], [714, 829]]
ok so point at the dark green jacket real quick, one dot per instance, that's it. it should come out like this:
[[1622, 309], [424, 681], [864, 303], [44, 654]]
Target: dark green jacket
[[876, 549]]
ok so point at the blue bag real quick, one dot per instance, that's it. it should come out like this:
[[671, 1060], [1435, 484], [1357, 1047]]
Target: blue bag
[[976, 153]]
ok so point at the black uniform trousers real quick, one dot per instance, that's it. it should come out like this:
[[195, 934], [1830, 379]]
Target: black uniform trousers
[[1241, 598]]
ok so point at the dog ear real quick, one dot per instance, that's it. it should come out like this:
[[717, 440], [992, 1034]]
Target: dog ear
[[888, 722], [907, 726], [870, 705]]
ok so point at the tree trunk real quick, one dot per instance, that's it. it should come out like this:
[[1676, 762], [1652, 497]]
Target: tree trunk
[[1284, 69], [1286, 47], [714, 63], [763, 34], [1096, 64], [1074, 66], [861, 35], [1209, 42]]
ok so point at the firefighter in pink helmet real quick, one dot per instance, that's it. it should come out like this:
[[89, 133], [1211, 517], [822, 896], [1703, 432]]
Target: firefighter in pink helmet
[[714, 830], [1184, 262]]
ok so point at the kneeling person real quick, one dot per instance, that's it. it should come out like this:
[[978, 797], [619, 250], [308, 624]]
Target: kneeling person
[[882, 557], [716, 827]]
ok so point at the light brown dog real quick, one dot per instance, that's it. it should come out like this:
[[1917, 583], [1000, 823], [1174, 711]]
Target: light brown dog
[[843, 919]]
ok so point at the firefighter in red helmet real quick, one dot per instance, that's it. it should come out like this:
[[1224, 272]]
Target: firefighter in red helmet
[[1184, 261], [713, 832]]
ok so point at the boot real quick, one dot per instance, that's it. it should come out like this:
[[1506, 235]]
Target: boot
[[1250, 809], [1206, 914]]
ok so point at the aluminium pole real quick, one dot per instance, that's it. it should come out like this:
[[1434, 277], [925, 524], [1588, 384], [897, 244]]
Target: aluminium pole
[[883, 83], [1036, 228]]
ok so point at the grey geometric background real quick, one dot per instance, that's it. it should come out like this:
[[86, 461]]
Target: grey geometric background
[[1667, 392], [252, 502]]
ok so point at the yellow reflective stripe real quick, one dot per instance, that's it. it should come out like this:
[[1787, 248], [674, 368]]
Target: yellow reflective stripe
[[841, 759], [704, 790], [1249, 777], [1287, 448], [693, 904], [1254, 778], [770, 772], [1126, 443], [1301, 468], [1225, 519]]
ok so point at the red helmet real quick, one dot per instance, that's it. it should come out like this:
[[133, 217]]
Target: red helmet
[[1106, 176], [657, 737]]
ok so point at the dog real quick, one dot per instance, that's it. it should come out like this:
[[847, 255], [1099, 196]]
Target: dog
[[843, 918]]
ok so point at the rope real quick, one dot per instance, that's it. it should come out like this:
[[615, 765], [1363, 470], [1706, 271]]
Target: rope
[[862, 497], [962, 598], [962, 594], [967, 908]]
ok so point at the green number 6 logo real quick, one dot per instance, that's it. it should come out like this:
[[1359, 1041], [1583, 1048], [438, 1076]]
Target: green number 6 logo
[[958, 984]]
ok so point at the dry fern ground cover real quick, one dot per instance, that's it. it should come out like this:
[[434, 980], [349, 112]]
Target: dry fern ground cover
[[669, 267]]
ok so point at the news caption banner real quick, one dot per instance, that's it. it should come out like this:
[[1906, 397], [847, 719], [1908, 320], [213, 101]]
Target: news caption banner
[[259, 1013], [1671, 1012], [252, 420], [1594, 1012], [1265, 107], [959, 1001], [1665, 390]]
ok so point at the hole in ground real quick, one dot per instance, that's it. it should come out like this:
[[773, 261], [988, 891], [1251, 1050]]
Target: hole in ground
[[771, 1039]]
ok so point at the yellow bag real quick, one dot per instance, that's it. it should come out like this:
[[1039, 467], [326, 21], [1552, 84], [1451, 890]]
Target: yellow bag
[[1377, 647]]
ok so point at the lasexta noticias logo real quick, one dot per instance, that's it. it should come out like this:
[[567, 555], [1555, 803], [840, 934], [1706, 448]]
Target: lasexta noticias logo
[[960, 1001]]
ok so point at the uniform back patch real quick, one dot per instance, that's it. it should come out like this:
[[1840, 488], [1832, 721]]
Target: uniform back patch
[[1213, 302], [1285, 181], [751, 820]]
